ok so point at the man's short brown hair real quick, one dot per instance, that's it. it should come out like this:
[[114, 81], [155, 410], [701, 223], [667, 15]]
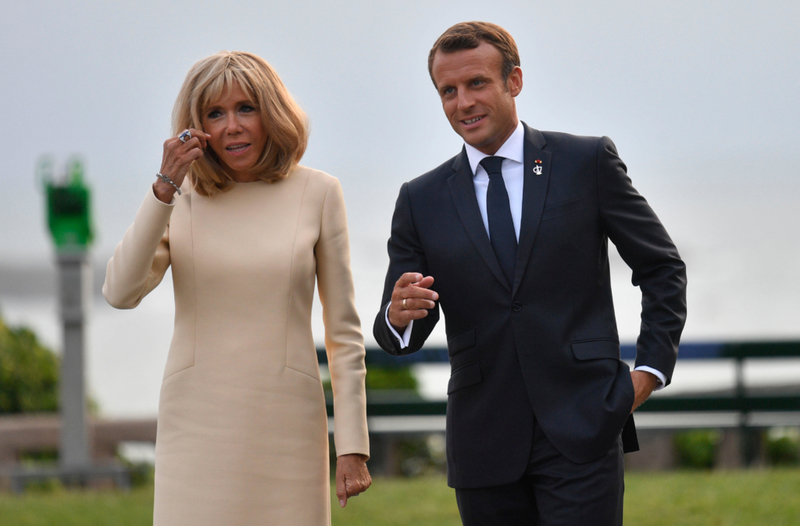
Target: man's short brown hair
[[469, 35]]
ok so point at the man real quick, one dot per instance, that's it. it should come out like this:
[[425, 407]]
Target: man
[[513, 248]]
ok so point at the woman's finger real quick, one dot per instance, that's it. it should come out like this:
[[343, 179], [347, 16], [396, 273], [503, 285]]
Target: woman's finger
[[341, 489], [194, 154], [188, 139], [201, 137], [358, 483]]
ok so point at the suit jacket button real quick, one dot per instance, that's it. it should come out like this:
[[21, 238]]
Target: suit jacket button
[[516, 306]]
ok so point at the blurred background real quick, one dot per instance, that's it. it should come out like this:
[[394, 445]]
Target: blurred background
[[701, 99]]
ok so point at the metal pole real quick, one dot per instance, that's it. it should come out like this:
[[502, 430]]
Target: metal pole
[[75, 281]]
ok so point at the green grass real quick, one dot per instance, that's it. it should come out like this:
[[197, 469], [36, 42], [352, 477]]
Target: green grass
[[395, 502], [720, 498], [78, 508]]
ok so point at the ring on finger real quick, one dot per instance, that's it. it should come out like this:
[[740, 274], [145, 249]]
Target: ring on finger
[[185, 135], [405, 305]]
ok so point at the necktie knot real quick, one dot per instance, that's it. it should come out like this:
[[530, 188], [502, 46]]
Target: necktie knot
[[493, 165]]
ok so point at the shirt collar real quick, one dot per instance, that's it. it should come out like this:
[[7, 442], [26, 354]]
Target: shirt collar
[[511, 149]]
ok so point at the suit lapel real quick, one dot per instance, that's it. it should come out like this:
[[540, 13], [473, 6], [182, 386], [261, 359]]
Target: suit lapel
[[466, 204], [533, 196]]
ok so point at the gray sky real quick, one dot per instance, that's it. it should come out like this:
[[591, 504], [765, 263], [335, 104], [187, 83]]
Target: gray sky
[[701, 99]]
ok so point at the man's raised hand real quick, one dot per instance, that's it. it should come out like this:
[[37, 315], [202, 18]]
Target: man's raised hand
[[411, 299]]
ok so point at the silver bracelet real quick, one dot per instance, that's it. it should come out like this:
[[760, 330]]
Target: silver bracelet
[[168, 180]]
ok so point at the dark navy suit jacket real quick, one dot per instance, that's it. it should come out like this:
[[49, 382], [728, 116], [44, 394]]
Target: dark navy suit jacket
[[544, 347]]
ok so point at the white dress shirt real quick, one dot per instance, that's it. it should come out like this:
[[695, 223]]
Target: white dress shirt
[[513, 170], [513, 151]]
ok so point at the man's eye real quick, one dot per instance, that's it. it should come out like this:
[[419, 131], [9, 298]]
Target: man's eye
[[448, 91], [477, 82]]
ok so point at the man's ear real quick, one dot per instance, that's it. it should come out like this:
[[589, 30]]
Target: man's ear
[[514, 81]]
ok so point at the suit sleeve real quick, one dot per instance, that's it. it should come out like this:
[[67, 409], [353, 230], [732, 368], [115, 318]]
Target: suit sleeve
[[405, 255], [344, 342], [657, 268], [141, 259]]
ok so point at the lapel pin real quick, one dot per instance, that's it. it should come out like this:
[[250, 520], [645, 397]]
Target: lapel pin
[[537, 169]]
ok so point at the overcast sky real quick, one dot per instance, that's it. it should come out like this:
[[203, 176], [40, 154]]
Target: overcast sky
[[701, 99]]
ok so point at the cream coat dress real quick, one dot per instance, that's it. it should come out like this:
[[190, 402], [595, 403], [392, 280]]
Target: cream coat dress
[[242, 428]]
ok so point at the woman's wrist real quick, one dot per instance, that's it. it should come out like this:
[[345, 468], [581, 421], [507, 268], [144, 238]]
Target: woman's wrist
[[359, 456], [164, 192]]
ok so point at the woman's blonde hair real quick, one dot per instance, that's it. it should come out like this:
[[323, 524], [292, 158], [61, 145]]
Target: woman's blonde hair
[[282, 118]]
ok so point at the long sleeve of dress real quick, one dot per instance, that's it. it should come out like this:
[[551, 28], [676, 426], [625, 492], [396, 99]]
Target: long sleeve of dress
[[343, 338], [142, 257]]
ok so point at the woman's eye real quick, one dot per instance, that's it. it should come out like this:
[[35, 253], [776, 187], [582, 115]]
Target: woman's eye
[[246, 108], [213, 114]]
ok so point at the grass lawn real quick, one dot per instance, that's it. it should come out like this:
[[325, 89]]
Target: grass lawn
[[719, 498], [735, 498], [78, 508]]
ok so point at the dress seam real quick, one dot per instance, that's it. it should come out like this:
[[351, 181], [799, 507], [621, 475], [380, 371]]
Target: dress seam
[[291, 276], [194, 283]]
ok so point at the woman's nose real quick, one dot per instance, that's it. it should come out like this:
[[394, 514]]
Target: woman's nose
[[232, 125]]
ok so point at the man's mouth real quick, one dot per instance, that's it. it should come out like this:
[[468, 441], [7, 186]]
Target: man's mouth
[[472, 121]]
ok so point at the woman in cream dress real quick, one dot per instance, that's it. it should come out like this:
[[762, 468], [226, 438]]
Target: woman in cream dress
[[242, 428]]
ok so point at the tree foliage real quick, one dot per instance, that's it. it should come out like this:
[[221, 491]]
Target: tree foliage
[[391, 378], [28, 372]]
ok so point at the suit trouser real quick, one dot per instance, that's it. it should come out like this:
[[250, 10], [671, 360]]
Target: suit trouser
[[553, 492]]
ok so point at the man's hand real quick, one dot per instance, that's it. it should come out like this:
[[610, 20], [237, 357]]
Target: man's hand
[[352, 477], [411, 299], [644, 384]]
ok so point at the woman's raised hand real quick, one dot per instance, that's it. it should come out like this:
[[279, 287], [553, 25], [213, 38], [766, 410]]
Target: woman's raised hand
[[179, 154]]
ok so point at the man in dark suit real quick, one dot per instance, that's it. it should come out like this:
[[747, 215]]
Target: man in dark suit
[[514, 230]]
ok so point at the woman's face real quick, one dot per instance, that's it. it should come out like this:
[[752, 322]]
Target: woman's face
[[237, 134]]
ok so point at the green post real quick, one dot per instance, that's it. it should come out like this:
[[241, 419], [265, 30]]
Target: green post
[[69, 212], [69, 219]]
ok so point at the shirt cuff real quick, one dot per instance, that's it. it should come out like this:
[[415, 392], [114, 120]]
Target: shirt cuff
[[406, 337], [662, 380]]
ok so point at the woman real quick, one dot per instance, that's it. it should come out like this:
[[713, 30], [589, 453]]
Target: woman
[[242, 428]]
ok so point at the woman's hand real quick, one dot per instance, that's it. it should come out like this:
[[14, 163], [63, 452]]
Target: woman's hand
[[352, 477], [177, 158]]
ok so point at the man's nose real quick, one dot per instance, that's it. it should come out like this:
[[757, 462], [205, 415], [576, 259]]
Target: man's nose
[[465, 100]]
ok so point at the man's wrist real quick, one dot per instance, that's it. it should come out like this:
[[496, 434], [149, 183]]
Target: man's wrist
[[660, 377], [397, 328], [403, 339]]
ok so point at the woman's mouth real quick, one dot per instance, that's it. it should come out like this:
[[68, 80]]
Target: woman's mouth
[[237, 148]]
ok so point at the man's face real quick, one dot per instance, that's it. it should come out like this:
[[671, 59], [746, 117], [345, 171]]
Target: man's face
[[476, 101]]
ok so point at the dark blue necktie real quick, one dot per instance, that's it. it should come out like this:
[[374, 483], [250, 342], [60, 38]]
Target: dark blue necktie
[[501, 226]]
